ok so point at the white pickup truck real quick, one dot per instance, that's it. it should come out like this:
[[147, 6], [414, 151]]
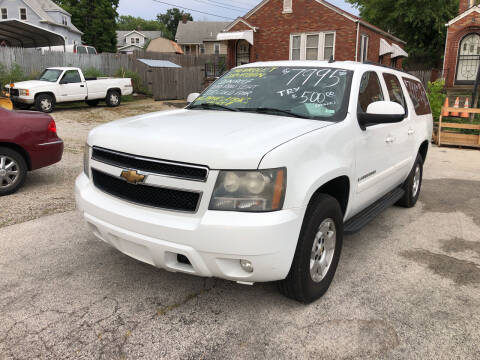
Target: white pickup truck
[[261, 175], [67, 84]]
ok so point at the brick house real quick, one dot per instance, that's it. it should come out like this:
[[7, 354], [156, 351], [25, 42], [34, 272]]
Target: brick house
[[462, 48], [307, 29]]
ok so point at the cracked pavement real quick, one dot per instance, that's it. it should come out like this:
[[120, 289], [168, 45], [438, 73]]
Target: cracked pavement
[[408, 286]]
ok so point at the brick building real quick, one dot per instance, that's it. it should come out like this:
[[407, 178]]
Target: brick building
[[462, 48], [307, 30]]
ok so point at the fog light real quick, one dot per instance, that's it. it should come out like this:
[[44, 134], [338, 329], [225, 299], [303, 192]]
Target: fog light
[[246, 265]]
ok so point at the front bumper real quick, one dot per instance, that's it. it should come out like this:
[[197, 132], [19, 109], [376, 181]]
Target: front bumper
[[213, 241], [23, 100]]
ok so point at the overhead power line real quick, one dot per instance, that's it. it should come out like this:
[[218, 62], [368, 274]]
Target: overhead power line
[[220, 6], [198, 11], [233, 6]]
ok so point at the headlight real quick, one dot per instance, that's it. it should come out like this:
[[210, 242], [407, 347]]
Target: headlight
[[250, 191], [23, 92], [86, 160]]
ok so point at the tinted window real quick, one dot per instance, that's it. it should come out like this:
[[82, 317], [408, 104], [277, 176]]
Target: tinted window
[[419, 97], [71, 76], [370, 90], [91, 50], [394, 88]]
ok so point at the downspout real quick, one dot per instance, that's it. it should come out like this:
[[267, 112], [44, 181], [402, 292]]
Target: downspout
[[445, 54], [358, 37]]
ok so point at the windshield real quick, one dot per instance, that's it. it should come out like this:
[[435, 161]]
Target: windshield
[[50, 75], [308, 92]]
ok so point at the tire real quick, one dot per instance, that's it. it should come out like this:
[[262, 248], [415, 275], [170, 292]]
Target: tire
[[303, 283], [45, 103], [113, 98], [11, 161], [412, 185], [92, 103]]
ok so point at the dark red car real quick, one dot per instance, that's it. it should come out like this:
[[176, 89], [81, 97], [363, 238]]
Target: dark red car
[[28, 141]]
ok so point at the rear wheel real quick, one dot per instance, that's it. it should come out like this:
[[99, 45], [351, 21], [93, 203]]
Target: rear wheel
[[45, 103], [13, 171], [113, 98], [92, 103], [318, 251], [412, 185]]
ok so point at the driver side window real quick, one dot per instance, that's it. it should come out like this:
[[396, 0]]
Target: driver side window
[[370, 90], [71, 77]]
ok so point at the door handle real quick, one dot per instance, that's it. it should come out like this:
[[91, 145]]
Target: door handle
[[389, 139], [411, 131], [82, 85]]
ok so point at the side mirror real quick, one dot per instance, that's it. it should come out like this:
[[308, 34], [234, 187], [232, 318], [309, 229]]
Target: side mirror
[[381, 112], [192, 97]]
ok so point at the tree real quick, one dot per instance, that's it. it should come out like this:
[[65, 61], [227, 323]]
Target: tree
[[171, 19], [137, 23], [96, 19], [420, 23]]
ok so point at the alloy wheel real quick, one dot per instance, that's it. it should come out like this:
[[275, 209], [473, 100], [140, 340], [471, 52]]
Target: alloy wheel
[[323, 250], [9, 171]]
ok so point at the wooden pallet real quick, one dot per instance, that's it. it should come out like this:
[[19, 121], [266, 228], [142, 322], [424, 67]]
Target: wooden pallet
[[445, 137]]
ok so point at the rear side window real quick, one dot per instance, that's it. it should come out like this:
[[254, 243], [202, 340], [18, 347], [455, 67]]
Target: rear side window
[[394, 88], [81, 50], [370, 90], [419, 97]]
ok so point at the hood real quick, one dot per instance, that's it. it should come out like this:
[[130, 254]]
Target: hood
[[32, 84], [218, 139]]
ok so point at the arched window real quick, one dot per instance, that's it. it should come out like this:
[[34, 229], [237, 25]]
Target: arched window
[[468, 59]]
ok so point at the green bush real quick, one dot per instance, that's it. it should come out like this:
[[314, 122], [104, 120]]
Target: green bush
[[436, 96], [138, 86], [93, 72], [8, 76]]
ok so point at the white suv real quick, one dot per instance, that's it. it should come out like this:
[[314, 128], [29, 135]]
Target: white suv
[[262, 174]]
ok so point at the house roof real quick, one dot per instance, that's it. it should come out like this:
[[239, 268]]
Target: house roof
[[328, 5], [42, 7], [196, 32], [121, 34], [475, 8]]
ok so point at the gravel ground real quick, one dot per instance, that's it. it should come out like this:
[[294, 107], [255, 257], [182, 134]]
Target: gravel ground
[[407, 287], [50, 190]]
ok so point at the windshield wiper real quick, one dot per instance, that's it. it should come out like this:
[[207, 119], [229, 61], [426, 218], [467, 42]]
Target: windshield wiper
[[212, 106], [267, 110]]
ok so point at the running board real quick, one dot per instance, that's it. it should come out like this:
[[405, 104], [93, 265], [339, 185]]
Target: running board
[[365, 216]]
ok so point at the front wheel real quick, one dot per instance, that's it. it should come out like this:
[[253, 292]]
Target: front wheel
[[45, 103], [318, 251], [13, 171], [412, 185], [113, 98]]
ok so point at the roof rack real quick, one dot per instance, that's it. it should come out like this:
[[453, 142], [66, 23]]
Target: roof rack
[[384, 66]]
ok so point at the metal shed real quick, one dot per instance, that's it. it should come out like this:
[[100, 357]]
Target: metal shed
[[17, 33]]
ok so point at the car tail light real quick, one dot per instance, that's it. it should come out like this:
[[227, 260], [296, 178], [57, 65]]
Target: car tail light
[[52, 127], [131, 82]]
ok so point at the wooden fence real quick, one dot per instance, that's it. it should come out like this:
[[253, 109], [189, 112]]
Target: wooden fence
[[163, 83], [455, 137]]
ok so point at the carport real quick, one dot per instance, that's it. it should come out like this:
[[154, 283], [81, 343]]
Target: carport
[[17, 33]]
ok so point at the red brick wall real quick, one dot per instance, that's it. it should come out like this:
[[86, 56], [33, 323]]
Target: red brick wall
[[272, 39], [374, 46], [456, 32]]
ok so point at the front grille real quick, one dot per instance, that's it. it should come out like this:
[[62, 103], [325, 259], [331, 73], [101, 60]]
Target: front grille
[[154, 166], [14, 92], [145, 194]]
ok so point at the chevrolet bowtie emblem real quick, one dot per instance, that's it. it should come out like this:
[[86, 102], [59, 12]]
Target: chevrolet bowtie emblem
[[132, 176]]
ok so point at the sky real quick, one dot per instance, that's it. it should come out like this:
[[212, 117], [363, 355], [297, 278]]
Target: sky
[[227, 9]]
